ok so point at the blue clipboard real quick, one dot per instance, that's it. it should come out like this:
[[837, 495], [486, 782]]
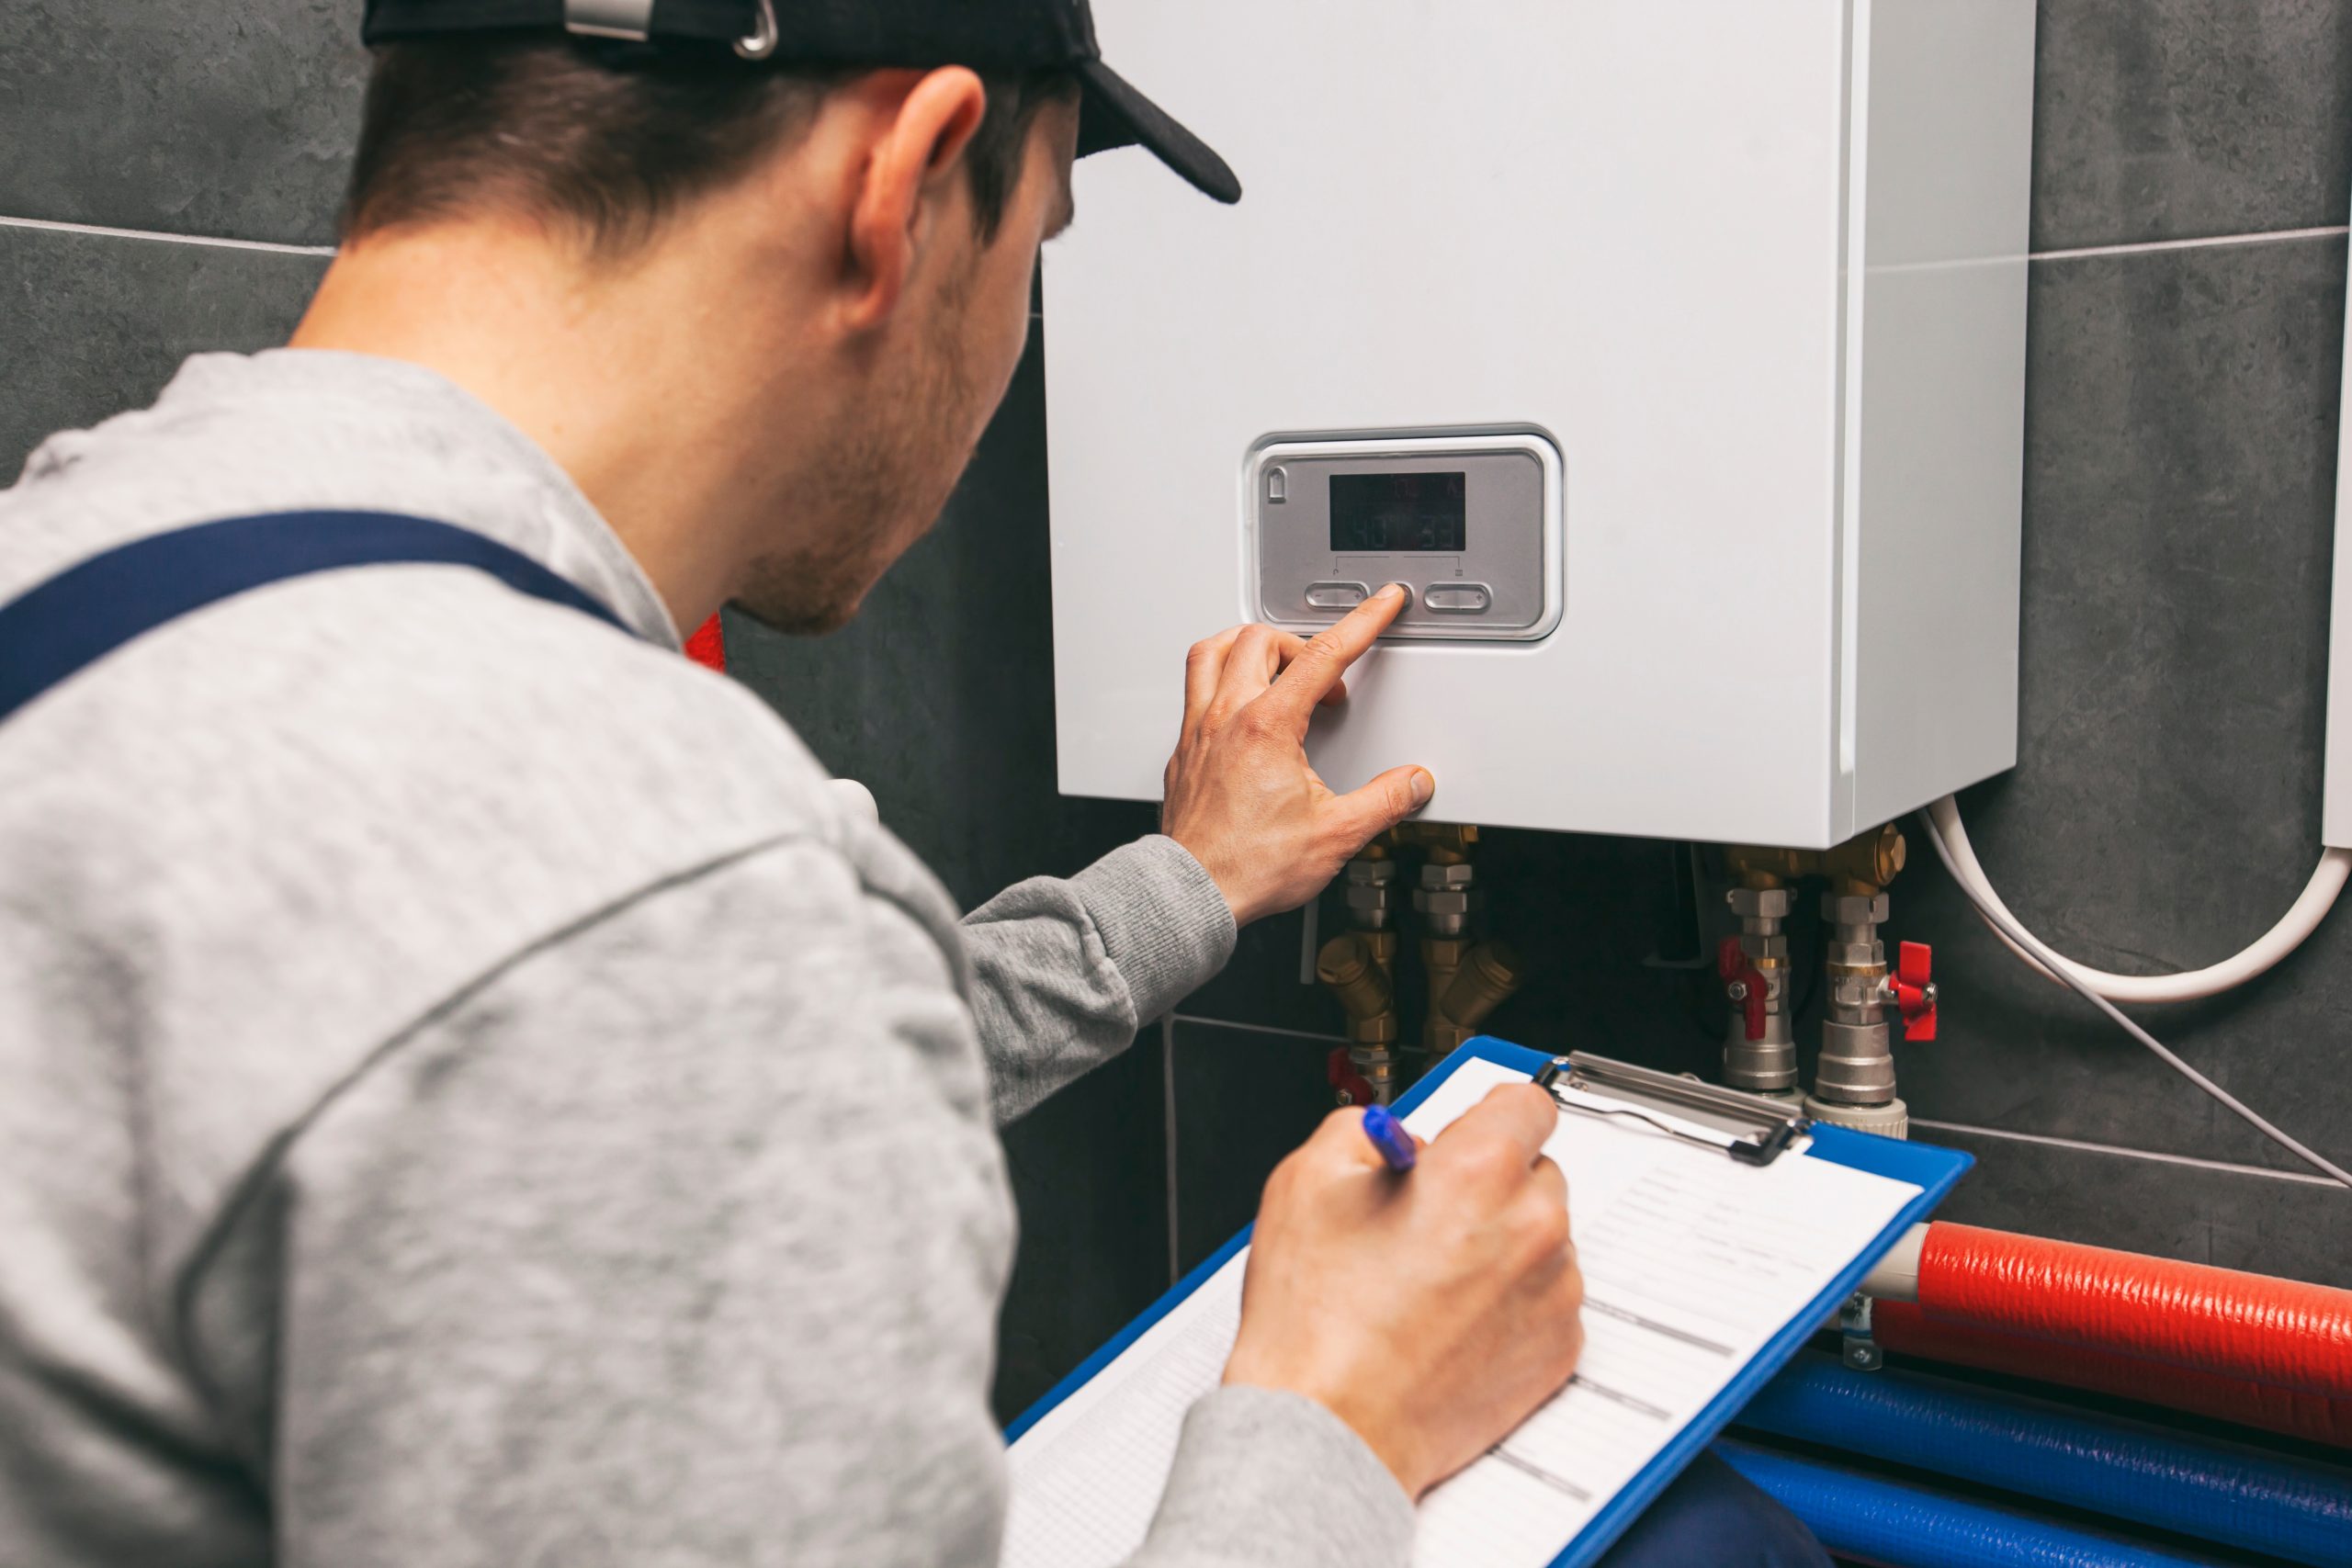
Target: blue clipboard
[[1933, 1170]]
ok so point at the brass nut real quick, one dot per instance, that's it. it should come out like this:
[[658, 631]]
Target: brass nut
[[1434, 875], [1444, 952], [1363, 897], [1372, 871], [1761, 902], [1378, 1030]]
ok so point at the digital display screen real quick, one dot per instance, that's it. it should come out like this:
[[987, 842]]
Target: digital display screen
[[1398, 512]]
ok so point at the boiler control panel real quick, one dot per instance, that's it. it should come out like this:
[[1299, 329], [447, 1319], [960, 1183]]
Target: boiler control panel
[[1470, 521]]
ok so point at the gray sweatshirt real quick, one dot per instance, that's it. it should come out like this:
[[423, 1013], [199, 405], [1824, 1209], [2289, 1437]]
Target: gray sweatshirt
[[468, 1095]]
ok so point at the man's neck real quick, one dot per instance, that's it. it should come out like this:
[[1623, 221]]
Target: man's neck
[[607, 369]]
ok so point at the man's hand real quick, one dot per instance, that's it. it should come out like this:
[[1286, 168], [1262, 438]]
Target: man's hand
[[1432, 1311], [1239, 794]]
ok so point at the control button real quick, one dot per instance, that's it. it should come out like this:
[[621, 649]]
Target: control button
[[1336, 596], [1277, 486], [1457, 597]]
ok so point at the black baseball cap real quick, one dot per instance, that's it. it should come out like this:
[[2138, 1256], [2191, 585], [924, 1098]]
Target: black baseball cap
[[1005, 36]]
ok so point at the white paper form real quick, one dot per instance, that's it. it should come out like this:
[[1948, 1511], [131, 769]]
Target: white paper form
[[1691, 1263]]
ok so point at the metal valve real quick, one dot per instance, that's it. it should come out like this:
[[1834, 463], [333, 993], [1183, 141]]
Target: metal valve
[[1915, 993], [1341, 1068], [1744, 984]]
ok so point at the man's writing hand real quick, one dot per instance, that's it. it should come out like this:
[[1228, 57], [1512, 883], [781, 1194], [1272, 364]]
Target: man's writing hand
[[1240, 795], [1431, 1312]]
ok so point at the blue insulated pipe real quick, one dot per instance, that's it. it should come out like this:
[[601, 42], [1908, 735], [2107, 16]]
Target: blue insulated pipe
[[1910, 1527], [2217, 1492]]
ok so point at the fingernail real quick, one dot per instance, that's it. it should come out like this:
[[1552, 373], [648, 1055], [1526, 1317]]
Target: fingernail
[[1424, 786]]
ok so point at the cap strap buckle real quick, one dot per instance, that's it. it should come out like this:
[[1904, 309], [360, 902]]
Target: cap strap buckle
[[630, 20], [761, 43]]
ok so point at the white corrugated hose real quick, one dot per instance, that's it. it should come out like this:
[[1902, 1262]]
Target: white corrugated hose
[[2301, 920]]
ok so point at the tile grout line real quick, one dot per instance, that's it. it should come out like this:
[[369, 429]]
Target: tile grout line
[[2144, 247], [1258, 1028], [2191, 1161], [2076, 253], [213, 241]]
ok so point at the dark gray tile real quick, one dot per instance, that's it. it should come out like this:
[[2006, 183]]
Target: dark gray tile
[[228, 117], [91, 325], [2180, 433], [2261, 1224], [2157, 119], [1090, 1175], [1244, 1098], [939, 697]]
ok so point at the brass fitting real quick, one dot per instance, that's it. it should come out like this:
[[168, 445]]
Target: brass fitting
[[1466, 983], [1447, 843], [1348, 966], [1863, 865], [1442, 959], [1489, 977]]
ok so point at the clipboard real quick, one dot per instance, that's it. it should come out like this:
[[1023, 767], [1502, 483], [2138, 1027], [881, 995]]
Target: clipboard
[[1685, 1109]]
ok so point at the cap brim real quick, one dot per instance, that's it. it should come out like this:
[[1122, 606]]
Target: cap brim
[[1114, 115]]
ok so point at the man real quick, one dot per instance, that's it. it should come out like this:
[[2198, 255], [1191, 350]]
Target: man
[[475, 1095]]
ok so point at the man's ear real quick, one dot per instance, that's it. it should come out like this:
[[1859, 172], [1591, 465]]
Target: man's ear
[[907, 184]]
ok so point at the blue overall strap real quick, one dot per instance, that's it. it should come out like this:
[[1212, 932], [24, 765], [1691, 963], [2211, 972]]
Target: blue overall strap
[[62, 626]]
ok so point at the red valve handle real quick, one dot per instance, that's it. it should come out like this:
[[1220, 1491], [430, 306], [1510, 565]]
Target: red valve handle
[[1915, 991], [1731, 962], [1341, 1068]]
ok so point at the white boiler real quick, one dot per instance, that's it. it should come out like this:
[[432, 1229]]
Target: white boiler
[[1671, 350]]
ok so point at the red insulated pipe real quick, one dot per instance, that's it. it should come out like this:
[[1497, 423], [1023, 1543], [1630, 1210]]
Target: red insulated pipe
[[2282, 1332], [1900, 1327], [2270, 1353]]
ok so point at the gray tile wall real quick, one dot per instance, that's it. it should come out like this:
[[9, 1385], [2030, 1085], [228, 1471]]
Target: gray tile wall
[[230, 119], [2182, 425]]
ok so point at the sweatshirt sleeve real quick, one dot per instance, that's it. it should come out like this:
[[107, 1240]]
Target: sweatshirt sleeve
[[1265, 1479], [679, 1239], [1065, 973]]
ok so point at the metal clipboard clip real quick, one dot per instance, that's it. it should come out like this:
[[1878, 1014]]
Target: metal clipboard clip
[[1748, 1127]]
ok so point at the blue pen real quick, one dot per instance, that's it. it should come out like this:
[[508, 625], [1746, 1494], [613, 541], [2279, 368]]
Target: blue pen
[[1388, 1135]]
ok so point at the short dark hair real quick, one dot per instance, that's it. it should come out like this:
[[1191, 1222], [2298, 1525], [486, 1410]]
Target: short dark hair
[[612, 138]]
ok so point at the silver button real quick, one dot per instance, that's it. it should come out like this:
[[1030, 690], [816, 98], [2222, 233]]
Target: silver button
[[1458, 597], [1277, 487], [1336, 596]]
